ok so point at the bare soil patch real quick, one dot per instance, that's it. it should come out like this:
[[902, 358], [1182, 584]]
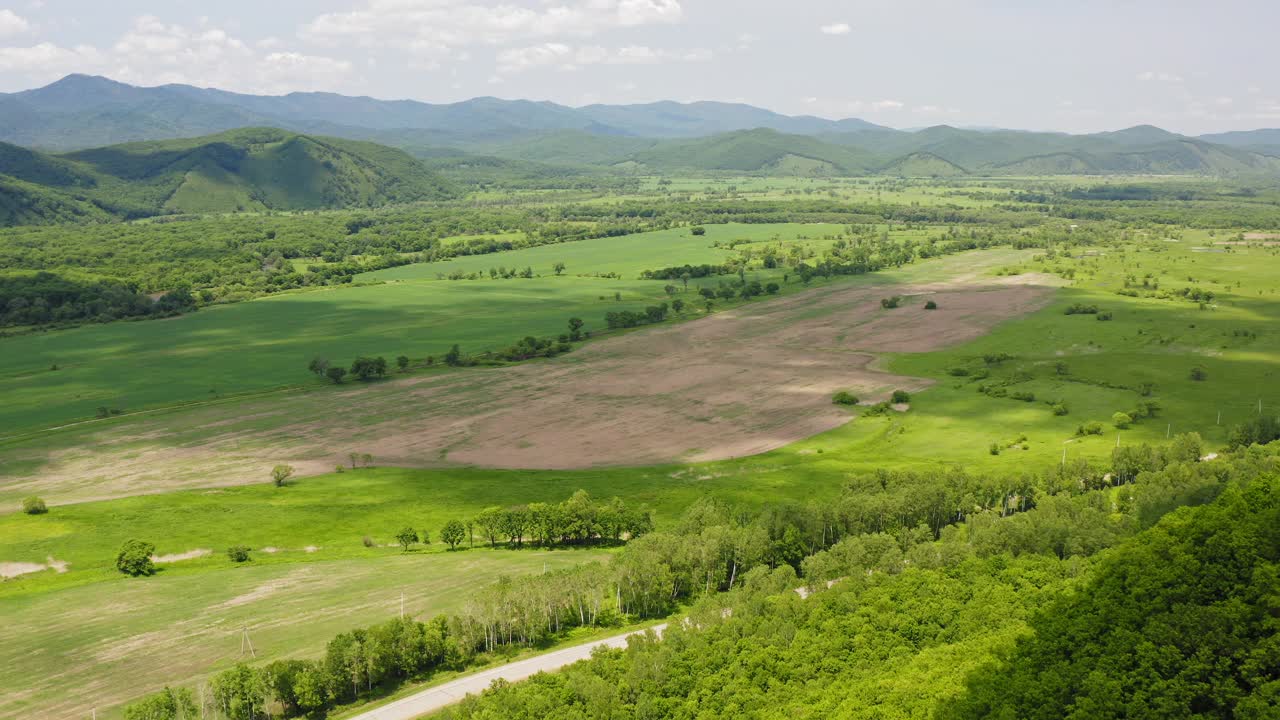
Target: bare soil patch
[[731, 384], [179, 557]]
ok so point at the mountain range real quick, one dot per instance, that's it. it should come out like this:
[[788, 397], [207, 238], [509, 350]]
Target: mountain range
[[84, 146]]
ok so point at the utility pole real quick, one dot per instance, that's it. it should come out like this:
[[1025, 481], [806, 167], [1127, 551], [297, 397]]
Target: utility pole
[[246, 642]]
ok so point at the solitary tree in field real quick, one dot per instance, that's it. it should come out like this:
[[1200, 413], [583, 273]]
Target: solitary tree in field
[[318, 366], [336, 374], [677, 305], [454, 532], [402, 362], [684, 278], [134, 558], [575, 329], [34, 506], [366, 458], [354, 458], [670, 289], [558, 268], [280, 474], [406, 537]]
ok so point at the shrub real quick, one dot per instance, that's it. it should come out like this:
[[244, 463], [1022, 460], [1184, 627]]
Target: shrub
[[1104, 315], [930, 305], [134, 558], [772, 288], [994, 449], [1081, 309], [238, 553], [891, 302], [407, 537], [1060, 408], [698, 230], [1023, 396], [1061, 368], [1199, 374], [996, 358], [1260, 430], [280, 474], [844, 398], [1093, 427], [368, 541], [34, 506], [901, 396], [958, 372], [1121, 420]]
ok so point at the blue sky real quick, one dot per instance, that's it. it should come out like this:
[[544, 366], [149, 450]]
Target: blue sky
[[1189, 66]]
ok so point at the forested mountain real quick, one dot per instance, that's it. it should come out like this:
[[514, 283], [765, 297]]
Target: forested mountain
[[239, 170], [664, 137], [82, 111]]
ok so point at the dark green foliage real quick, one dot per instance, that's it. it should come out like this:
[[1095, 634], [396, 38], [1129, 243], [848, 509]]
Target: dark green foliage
[[1199, 374], [1081, 309], [698, 230], [238, 553], [453, 358], [402, 362], [930, 305], [34, 506], [891, 302], [630, 318], [407, 537], [134, 558], [1093, 427], [901, 396], [1260, 430], [240, 693], [45, 298], [366, 368], [1178, 624], [168, 704], [844, 397], [336, 374]]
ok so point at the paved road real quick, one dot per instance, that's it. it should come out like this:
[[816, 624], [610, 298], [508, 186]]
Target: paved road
[[454, 691]]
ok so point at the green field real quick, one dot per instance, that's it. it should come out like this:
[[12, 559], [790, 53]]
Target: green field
[[100, 644], [267, 343]]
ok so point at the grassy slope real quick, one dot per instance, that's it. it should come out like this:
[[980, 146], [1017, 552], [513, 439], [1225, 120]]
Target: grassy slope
[[267, 343]]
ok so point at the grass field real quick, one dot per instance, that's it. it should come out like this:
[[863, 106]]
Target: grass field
[[267, 343], [98, 645]]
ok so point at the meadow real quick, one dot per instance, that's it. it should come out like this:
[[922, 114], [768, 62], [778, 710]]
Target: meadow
[[54, 378]]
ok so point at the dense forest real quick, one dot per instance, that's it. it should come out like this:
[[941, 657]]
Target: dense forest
[[1098, 604]]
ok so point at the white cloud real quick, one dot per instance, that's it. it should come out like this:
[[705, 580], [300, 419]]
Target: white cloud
[[48, 61], [882, 105], [12, 24], [438, 28], [565, 57], [839, 28], [1166, 77], [152, 52]]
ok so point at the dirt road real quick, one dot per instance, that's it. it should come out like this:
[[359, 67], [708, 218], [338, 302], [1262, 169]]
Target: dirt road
[[435, 698]]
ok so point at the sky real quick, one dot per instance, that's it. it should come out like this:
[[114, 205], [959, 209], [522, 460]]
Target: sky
[[1190, 66]]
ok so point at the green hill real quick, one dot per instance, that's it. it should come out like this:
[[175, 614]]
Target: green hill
[[752, 151], [252, 169]]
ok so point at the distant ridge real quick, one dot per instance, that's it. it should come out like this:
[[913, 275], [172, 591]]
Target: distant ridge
[[548, 139]]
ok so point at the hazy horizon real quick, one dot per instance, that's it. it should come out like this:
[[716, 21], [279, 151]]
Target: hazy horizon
[[1092, 67]]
